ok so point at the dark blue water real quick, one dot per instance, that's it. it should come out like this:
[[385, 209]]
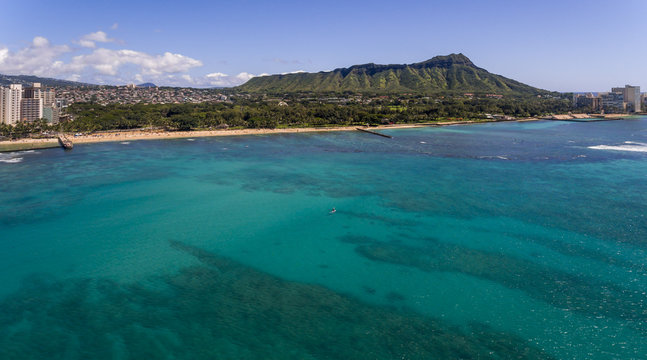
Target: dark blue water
[[503, 240]]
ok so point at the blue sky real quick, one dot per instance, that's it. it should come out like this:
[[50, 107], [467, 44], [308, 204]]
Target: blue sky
[[556, 45]]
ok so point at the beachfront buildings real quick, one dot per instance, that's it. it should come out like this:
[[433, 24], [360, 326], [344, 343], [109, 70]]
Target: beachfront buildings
[[31, 109], [620, 99], [10, 99], [39, 103], [31, 103], [36, 91], [588, 101], [613, 102], [631, 96]]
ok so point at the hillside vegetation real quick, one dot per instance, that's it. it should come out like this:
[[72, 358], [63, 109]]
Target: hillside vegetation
[[451, 73]]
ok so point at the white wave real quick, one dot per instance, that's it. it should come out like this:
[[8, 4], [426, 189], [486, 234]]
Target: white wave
[[190, 139], [631, 146], [423, 142], [15, 157], [11, 160], [125, 142], [501, 157]]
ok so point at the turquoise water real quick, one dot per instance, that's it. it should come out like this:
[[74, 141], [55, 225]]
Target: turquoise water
[[502, 240]]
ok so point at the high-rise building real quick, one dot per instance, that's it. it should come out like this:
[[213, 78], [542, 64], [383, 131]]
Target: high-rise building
[[35, 91], [632, 97], [49, 97], [31, 109], [51, 114], [613, 102], [10, 104], [1, 105], [622, 99], [588, 101]]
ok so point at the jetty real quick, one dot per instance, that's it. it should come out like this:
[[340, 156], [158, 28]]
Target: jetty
[[65, 142], [374, 133]]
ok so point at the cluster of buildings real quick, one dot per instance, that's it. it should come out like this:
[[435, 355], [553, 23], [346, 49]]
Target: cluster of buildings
[[132, 94], [619, 100], [32, 103], [29, 104]]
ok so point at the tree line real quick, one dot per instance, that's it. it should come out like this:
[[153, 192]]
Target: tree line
[[259, 112]]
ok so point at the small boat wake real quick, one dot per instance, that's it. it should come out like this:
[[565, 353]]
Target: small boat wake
[[628, 146]]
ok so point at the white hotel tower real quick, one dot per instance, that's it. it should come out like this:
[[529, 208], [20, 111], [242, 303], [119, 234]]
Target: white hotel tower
[[10, 104]]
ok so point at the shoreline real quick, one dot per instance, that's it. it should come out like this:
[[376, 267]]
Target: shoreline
[[119, 136]]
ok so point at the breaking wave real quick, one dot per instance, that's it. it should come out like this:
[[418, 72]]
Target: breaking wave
[[10, 160], [14, 157], [628, 146]]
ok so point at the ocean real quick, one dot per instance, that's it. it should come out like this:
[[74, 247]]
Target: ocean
[[496, 240]]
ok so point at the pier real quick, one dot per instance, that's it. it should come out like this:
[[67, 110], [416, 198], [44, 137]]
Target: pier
[[374, 133], [65, 142]]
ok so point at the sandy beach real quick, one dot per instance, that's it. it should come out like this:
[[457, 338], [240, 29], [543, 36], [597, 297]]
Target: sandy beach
[[109, 136]]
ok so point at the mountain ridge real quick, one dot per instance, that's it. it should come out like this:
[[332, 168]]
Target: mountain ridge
[[447, 73], [27, 80]]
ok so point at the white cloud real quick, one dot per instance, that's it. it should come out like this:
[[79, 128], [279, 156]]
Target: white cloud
[[4, 54], [114, 26], [108, 62], [244, 76], [95, 64], [39, 58], [40, 41], [98, 36], [293, 72], [221, 79], [87, 43], [216, 75], [90, 40]]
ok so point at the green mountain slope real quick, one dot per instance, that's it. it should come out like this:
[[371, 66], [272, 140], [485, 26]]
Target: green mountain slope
[[449, 73], [27, 80]]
